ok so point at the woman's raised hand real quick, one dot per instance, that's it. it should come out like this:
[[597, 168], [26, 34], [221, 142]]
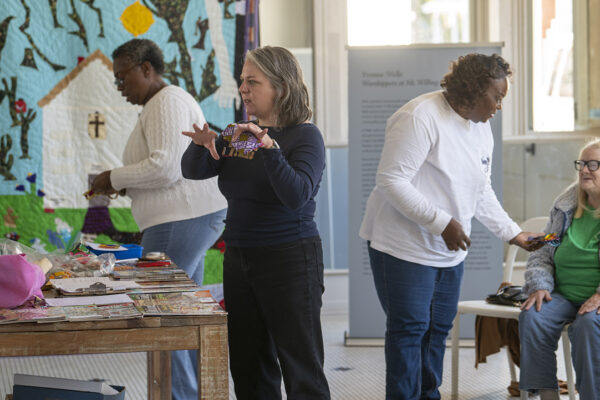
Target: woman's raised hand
[[261, 134], [204, 137]]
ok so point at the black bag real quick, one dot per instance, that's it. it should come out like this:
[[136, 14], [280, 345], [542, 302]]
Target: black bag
[[508, 296]]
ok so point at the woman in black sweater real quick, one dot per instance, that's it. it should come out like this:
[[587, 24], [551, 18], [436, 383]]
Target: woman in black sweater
[[273, 268]]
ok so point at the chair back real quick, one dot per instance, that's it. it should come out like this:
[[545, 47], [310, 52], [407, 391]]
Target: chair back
[[536, 224]]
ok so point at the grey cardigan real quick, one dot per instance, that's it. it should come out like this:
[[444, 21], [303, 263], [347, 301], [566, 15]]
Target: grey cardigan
[[539, 274]]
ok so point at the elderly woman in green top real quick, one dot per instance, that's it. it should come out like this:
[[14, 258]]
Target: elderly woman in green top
[[563, 287]]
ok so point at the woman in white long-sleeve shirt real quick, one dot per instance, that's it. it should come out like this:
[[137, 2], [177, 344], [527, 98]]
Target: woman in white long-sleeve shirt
[[180, 217], [433, 178]]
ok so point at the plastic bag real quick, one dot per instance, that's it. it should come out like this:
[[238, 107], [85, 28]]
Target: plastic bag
[[78, 262], [67, 266], [20, 280], [8, 246]]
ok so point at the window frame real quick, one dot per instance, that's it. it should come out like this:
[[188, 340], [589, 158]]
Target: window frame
[[330, 62], [506, 21], [515, 29]]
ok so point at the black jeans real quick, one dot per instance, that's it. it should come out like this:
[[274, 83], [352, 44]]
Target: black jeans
[[273, 297]]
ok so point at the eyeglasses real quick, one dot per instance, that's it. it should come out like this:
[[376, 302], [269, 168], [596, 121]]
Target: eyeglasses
[[591, 164], [121, 81]]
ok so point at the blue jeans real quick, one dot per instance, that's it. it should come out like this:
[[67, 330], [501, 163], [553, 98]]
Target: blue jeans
[[539, 333], [186, 243], [420, 303]]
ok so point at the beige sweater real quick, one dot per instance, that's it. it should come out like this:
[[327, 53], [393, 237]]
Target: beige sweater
[[152, 163]]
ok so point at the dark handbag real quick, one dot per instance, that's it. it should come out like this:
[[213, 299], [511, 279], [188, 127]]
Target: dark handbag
[[508, 296]]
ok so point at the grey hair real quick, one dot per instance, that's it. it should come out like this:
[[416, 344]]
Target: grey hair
[[282, 69], [140, 50]]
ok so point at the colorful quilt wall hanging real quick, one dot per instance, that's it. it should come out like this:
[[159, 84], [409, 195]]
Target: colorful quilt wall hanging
[[62, 120]]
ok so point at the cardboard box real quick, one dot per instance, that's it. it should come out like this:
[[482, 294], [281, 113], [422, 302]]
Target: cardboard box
[[41, 393], [35, 387]]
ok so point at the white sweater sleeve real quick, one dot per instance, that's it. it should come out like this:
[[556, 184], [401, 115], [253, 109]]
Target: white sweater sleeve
[[490, 213], [161, 124], [407, 144]]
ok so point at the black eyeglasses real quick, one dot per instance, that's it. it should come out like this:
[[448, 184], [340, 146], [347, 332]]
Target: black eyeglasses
[[591, 164], [120, 81]]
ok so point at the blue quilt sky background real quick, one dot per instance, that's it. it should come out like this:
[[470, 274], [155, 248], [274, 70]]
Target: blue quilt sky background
[[63, 48]]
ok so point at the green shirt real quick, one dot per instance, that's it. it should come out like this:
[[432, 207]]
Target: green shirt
[[576, 259]]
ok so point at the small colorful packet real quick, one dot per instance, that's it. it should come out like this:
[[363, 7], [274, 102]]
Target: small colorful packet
[[79, 250], [90, 194], [246, 142], [109, 246], [551, 239]]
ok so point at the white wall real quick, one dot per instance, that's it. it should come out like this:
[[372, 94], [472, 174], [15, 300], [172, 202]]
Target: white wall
[[534, 176], [289, 24], [285, 23]]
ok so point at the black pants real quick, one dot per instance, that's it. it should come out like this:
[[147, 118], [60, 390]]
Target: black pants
[[273, 297]]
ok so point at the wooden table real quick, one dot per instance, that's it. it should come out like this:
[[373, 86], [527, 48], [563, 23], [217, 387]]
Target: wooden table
[[155, 335]]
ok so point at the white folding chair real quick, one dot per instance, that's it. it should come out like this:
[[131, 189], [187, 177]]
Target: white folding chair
[[481, 307]]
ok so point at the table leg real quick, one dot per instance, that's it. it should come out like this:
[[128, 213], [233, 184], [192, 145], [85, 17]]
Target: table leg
[[213, 368], [159, 375]]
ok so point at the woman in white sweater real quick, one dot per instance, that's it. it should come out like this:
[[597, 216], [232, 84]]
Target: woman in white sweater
[[180, 217]]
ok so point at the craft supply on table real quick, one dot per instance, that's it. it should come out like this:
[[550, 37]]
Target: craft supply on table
[[120, 252], [89, 300], [85, 285], [198, 302], [147, 264], [155, 256]]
